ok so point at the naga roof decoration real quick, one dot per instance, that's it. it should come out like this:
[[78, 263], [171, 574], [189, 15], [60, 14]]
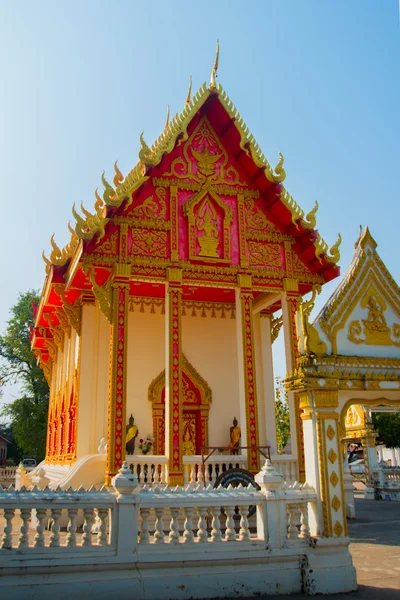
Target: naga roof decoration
[[363, 313], [175, 133]]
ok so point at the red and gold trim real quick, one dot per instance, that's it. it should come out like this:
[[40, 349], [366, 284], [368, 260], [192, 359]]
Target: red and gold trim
[[249, 368], [174, 367], [117, 373]]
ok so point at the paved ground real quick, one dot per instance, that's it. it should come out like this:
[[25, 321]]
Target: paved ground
[[375, 548]]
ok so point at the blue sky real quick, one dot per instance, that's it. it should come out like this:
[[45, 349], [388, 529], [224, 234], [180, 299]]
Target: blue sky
[[317, 80]]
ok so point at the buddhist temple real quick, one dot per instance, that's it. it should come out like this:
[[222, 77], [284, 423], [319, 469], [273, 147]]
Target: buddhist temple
[[156, 321]]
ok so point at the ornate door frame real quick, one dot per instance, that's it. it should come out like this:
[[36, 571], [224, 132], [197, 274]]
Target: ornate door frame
[[196, 397]]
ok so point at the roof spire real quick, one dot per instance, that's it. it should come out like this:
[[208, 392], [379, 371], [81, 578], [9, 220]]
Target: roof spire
[[189, 91], [167, 119], [213, 85]]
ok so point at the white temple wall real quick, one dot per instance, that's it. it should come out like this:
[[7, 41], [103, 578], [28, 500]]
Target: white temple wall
[[93, 385], [208, 343], [211, 346], [145, 361]]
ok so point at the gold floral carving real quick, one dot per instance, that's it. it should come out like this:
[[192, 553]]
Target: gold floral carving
[[151, 243], [255, 218], [276, 325], [336, 503], [265, 254], [152, 209], [72, 311], [63, 319], [189, 307], [109, 246], [103, 295]]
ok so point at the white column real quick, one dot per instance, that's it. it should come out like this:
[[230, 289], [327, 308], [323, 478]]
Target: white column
[[260, 366], [88, 361]]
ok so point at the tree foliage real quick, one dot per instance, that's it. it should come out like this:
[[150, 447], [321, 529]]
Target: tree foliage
[[388, 428], [281, 415], [28, 414]]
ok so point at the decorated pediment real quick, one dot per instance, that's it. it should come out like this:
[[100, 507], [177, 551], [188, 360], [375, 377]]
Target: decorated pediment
[[362, 318]]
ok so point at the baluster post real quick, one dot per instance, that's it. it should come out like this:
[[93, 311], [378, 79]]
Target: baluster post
[[102, 532], [292, 530], [87, 527], [174, 527], [25, 513], [144, 535], [202, 534], [55, 528], [7, 539], [39, 537], [244, 533], [188, 526], [304, 528], [216, 535], [159, 527], [71, 528], [230, 533]]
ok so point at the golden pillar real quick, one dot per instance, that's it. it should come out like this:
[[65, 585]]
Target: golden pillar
[[117, 370], [247, 369], [173, 376], [324, 471]]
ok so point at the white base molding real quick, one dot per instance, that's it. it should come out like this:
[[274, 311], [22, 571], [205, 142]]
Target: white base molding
[[219, 573]]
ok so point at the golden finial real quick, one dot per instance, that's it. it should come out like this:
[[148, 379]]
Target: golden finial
[[144, 149], [118, 177], [359, 238], [109, 193], [279, 170], [310, 221], [98, 205], [213, 85], [334, 250], [189, 94], [167, 119], [56, 254], [87, 214], [49, 264], [71, 230]]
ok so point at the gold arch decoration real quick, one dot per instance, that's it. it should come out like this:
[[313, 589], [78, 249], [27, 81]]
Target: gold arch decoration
[[196, 400], [364, 402]]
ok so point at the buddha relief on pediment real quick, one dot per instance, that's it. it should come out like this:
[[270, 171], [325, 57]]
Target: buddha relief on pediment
[[373, 329]]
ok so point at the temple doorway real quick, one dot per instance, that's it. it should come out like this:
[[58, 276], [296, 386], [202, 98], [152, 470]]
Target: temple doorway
[[196, 400]]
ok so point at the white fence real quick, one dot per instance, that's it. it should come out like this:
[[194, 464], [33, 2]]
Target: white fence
[[153, 469], [159, 515], [154, 541]]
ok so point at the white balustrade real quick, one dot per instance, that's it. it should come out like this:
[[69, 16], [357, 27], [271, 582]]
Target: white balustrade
[[153, 516], [286, 466]]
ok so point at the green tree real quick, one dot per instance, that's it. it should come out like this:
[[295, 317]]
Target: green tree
[[281, 415], [388, 428], [27, 415]]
